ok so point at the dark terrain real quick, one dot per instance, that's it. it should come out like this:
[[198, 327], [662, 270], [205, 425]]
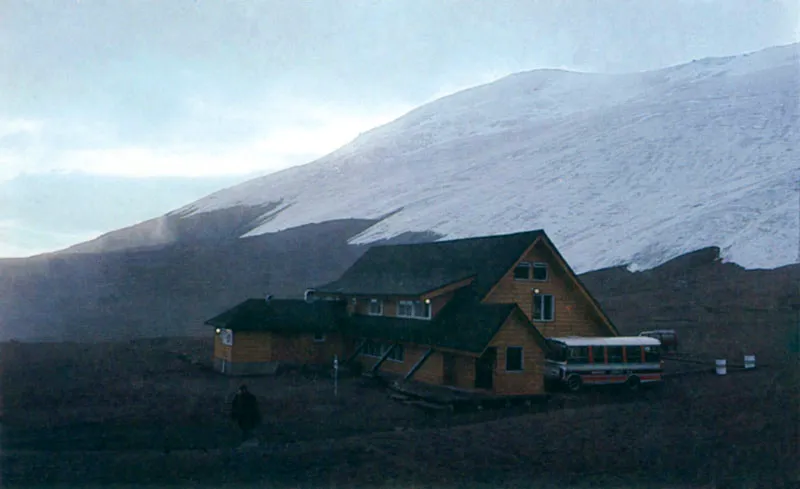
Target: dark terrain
[[141, 412], [136, 413]]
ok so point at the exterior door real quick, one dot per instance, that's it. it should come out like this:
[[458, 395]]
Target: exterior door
[[449, 367], [484, 369]]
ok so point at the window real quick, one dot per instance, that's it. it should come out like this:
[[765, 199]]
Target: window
[[405, 308], [414, 309], [371, 349], [377, 349], [540, 271], [651, 354], [522, 271], [319, 338], [633, 354], [598, 354], [543, 307], [578, 355], [398, 354], [514, 359], [614, 354], [375, 307]]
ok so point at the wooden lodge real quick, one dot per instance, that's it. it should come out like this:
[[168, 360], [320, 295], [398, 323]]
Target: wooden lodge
[[259, 335], [470, 315]]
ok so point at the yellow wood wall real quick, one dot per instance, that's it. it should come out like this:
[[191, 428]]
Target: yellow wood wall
[[530, 380], [430, 372], [222, 352], [252, 347], [574, 314], [257, 347], [464, 371], [302, 349]]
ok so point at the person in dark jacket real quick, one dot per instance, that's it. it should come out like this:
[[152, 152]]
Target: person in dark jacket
[[245, 412]]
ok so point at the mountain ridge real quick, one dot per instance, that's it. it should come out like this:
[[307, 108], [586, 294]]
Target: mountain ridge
[[638, 167]]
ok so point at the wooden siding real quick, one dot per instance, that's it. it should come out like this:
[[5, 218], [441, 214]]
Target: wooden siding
[[251, 347], [462, 374], [262, 346], [302, 349], [528, 381], [222, 352], [574, 315], [431, 371]]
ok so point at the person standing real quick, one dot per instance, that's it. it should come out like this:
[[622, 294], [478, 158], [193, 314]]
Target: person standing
[[245, 411]]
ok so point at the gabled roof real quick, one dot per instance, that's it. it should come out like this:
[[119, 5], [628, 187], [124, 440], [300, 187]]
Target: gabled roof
[[602, 313], [282, 315], [447, 330], [415, 269]]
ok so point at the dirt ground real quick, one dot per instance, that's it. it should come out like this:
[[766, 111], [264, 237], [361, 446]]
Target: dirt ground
[[138, 413]]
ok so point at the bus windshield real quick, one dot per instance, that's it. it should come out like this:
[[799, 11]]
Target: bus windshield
[[556, 352]]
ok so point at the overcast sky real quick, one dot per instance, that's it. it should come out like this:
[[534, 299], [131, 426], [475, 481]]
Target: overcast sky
[[227, 90]]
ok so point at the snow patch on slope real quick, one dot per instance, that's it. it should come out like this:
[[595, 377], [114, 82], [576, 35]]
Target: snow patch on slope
[[618, 169]]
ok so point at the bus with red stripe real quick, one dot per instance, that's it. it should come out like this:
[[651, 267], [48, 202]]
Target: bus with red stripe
[[577, 361]]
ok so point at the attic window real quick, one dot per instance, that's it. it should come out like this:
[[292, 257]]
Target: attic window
[[540, 271], [414, 309], [375, 307], [522, 271]]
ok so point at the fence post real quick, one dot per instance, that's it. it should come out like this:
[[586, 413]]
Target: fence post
[[335, 375]]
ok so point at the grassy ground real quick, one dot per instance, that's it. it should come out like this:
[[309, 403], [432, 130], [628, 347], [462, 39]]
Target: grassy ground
[[76, 415]]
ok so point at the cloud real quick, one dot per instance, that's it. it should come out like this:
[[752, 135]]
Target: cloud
[[212, 140], [18, 240], [48, 211]]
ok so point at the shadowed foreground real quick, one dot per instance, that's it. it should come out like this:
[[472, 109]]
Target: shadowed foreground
[[135, 413]]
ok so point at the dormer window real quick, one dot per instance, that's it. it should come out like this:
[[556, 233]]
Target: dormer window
[[414, 309], [531, 271], [375, 307]]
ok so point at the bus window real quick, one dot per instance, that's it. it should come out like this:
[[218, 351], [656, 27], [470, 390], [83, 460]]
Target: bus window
[[598, 355], [578, 355], [651, 354], [614, 354], [633, 354]]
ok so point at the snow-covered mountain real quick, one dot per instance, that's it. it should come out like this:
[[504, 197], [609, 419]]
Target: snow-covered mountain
[[617, 168]]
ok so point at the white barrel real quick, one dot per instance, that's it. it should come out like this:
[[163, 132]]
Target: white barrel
[[722, 367], [749, 361]]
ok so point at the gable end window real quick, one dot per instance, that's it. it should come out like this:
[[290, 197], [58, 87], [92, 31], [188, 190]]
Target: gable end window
[[514, 359], [543, 307], [531, 271], [540, 272], [522, 271], [375, 307]]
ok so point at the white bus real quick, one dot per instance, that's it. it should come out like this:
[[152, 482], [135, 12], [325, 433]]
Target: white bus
[[573, 362]]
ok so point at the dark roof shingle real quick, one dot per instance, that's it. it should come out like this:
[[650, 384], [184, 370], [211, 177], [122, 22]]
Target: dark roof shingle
[[282, 315], [415, 269]]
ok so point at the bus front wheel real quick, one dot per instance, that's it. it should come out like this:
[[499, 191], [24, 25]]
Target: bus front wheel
[[633, 383], [574, 383]]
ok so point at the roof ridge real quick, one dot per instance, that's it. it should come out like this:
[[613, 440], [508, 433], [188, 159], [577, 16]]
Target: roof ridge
[[457, 240]]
